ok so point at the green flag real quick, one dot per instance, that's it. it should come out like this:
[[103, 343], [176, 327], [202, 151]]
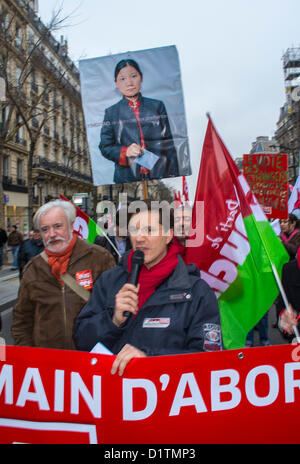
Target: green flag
[[239, 244]]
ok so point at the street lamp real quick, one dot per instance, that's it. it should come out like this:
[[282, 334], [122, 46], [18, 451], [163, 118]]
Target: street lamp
[[40, 181]]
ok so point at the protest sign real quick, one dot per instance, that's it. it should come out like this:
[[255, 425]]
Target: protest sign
[[267, 176], [135, 98]]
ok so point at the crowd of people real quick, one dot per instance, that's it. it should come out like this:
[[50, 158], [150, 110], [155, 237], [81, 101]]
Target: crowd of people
[[74, 294], [22, 249]]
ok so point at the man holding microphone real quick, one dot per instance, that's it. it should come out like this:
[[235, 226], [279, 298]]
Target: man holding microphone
[[170, 311]]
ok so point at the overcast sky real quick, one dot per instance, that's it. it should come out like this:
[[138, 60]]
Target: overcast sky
[[230, 55]]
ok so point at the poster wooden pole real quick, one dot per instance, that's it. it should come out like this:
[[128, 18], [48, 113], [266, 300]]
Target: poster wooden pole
[[145, 190]]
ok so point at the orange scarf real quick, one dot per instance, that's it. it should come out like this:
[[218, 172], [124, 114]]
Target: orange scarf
[[59, 262]]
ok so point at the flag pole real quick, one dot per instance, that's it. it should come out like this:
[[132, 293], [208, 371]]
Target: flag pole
[[285, 300], [273, 267], [145, 190]]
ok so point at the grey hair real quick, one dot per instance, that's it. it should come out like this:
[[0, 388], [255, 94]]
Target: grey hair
[[67, 206]]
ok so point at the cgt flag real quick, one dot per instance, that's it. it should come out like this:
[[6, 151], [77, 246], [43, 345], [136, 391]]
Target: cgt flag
[[84, 226], [185, 189], [239, 243]]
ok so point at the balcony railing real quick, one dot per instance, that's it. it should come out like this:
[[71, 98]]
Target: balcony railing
[[65, 171], [20, 140], [7, 180], [21, 181]]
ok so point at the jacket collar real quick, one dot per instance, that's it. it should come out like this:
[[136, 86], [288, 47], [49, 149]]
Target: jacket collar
[[125, 101], [81, 248]]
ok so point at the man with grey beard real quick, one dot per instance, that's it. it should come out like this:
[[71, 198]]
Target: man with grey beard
[[56, 284]]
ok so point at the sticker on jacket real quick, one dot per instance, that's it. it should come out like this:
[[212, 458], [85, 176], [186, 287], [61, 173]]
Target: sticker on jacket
[[85, 279], [211, 337], [157, 322]]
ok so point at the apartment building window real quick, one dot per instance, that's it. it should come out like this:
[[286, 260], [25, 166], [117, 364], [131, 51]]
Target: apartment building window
[[55, 103], [5, 19], [6, 166], [19, 135], [18, 38], [34, 86], [72, 138], [64, 139], [65, 160], [20, 172], [45, 90], [46, 190], [55, 133], [63, 104], [18, 76], [3, 118], [46, 151]]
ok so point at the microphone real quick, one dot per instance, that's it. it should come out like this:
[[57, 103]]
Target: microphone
[[136, 266]]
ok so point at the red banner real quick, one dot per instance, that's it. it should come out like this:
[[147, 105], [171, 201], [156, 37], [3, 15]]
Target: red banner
[[239, 396], [267, 176]]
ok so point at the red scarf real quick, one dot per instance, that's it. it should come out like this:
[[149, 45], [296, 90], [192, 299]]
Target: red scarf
[[59, 261], [149, 279], [287, 238], [298, 257]]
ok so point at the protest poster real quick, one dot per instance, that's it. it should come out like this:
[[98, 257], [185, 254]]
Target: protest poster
[[267, 176], [233, 396], [150, 81]]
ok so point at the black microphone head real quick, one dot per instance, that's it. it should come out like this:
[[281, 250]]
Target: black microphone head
[[138, 258]]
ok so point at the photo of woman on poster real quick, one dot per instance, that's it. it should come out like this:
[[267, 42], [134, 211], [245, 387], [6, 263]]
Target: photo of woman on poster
[[136, 134]]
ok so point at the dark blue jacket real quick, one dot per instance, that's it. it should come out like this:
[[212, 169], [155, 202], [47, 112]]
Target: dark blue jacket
[[182, 316], [120, 129], [28, 249]]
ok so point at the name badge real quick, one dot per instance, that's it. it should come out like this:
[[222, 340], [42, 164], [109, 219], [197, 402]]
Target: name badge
[[158, 323], [85, 279]]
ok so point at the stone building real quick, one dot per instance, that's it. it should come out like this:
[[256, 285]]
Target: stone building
[[60, 162], [287, 134]]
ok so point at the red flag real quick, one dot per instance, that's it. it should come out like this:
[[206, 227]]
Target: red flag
[[84, 226], [179, 197], [239, 249], [185, 189]]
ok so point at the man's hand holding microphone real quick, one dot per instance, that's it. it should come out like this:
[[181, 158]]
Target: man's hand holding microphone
[[126, 306]]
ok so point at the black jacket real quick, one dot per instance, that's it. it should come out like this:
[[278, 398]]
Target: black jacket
[[102, 241], [291, 285], [28, 249], [120, 129], [3, 237], [182, 316]]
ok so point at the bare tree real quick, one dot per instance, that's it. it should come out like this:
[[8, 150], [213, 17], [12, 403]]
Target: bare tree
[[22, 53]]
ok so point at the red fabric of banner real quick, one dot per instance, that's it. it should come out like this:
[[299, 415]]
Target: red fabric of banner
[[237, 396]]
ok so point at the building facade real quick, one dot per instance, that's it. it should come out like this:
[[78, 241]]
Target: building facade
[[37, 66], [287, 134]]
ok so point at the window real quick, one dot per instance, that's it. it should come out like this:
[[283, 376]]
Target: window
[[6, 166], [18, 38], [46, 151], [18, 76], [20, 170], [46, 190], [19, 135]]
